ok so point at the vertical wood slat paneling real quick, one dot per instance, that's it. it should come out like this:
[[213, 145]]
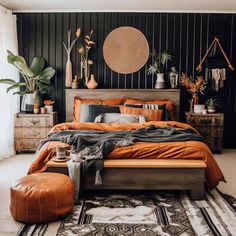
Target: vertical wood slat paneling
[[185, 35]]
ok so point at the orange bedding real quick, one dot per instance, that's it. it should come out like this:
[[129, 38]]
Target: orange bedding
[[144, 150]]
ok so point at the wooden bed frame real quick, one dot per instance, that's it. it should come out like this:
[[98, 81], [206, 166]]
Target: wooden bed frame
[[140, 174]]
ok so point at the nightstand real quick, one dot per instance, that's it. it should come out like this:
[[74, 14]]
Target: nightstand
[[31, 129], [210, 126]]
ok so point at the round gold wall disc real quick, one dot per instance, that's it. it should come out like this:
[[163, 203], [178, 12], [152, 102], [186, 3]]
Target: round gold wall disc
[[126, 50]]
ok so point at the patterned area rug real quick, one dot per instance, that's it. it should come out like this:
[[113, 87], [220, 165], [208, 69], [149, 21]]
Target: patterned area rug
[[152, 214]]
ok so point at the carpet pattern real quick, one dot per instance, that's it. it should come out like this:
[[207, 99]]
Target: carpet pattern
[[162, 213]]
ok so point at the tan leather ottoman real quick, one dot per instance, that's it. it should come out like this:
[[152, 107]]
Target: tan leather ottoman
[[42, 197]]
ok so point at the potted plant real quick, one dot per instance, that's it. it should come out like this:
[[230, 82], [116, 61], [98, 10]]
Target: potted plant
[[159, 63], [36, 80], [212, 104]]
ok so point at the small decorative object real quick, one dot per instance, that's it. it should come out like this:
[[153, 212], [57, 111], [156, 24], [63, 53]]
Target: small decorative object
[[173, 78], [198, 108], [68, 49], [92, 84], [158, 67], [36, 80], [194, 87], [212, 104], [48, 105], [85, 62], [61, 152], [36, 108], [75, 82], [204, 112], [43, 110]]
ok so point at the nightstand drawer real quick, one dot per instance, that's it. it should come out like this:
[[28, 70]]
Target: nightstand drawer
[[206, 121], [28, 132], [27, 144], [34, 121]]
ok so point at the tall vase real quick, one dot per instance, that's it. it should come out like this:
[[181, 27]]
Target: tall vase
[[68, 73], [160, 82]]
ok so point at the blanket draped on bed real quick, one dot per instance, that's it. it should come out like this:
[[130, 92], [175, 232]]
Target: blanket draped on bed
[[96, 145]]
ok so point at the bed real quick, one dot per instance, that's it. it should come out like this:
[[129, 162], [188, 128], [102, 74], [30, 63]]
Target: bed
[[172, 165]]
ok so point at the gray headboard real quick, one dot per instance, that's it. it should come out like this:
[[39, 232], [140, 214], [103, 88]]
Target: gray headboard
[[144, 94]]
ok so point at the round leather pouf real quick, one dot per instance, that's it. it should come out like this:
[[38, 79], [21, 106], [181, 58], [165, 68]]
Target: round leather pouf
[[42, 197]]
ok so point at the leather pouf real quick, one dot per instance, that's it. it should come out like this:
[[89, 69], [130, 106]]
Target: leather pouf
[[42, 197]]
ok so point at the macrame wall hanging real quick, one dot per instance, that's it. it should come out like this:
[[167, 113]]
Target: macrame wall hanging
[[217, 75]]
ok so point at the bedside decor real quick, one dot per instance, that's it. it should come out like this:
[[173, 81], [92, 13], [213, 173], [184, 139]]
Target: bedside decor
[[85, 62], [159, 63], [75, 82], [194, 87], [212, 104], [68, 48], [36, 108], [48, 105], [126, 50], [37, 80]]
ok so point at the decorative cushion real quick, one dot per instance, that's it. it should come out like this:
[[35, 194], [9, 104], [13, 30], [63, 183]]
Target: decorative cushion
[[79, 101], [119, 118], [151, 115], [42, 197], [88, 112], [168, 103]]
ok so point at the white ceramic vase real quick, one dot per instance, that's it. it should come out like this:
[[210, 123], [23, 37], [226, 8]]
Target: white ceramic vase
[[68, 73], [160, 82]]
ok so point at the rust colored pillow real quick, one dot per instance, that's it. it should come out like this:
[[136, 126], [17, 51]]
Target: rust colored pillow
[[151, 115], [169, 104], [78, 101]]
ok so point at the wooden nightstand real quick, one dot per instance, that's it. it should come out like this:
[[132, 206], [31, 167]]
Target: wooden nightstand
[[210, 126], [30, 129]]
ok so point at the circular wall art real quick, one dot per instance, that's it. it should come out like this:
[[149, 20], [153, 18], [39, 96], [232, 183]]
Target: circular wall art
[[126, 50]]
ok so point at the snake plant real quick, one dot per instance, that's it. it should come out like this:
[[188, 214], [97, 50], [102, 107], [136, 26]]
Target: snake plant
[[36, 78]]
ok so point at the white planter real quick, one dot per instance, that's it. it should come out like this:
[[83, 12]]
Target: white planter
[[28, 102], [49, 109], [198, 108], [160, 82]]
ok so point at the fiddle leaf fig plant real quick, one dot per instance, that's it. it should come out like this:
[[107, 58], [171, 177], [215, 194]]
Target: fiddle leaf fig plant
[[36, 79]]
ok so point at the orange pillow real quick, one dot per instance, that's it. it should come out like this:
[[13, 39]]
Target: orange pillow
[[169, 104], [78, 101], [151, 115]]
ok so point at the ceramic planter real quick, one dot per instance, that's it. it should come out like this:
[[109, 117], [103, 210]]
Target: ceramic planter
[[160, 82], [28, 101]]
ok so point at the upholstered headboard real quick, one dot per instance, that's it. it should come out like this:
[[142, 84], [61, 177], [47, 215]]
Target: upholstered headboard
[[144, 94]]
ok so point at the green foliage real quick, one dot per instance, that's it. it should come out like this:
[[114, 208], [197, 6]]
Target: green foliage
[[36, 78], [213, 102], [159, 62]]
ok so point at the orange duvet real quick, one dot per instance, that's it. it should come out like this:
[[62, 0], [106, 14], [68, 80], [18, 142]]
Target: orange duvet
[[144, 150]]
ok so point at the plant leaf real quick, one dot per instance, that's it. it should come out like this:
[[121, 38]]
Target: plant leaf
[[37, 65], [16, 85], [47, 74], [7, 81]]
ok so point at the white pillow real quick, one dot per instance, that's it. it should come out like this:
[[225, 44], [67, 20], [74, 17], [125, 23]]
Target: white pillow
[[119, 118]]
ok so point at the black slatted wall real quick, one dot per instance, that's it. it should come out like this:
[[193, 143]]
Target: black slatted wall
[[185, 35]]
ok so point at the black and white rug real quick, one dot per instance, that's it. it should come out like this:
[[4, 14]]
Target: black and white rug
[[164, 214]]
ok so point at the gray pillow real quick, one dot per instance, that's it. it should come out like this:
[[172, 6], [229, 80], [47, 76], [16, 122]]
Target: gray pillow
[[88, 111], [119, 118]]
